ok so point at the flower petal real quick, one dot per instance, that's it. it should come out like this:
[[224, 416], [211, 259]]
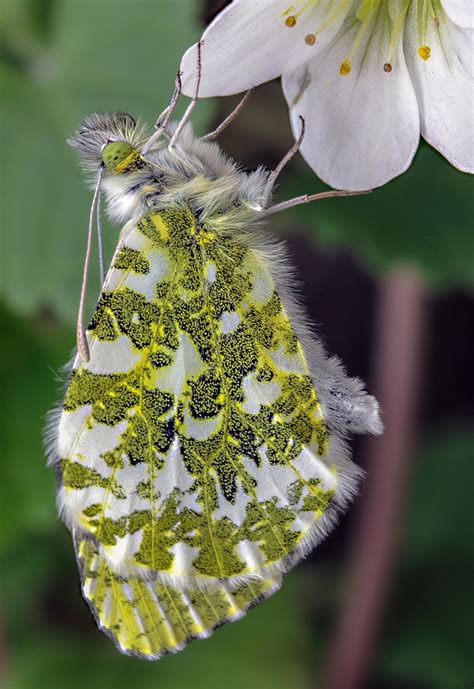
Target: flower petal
[[362, 127], [251, 42], [461, 12], [445, 89]]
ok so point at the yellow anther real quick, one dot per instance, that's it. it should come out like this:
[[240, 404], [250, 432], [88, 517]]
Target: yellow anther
[[290, 21], [424, 51], [345, 68]]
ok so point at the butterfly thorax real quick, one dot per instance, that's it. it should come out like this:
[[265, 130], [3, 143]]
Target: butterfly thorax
[[194, 176]]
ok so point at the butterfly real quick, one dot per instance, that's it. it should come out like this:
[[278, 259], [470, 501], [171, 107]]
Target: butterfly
[[201, 442]]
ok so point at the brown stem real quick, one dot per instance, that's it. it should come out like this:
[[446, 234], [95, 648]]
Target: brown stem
[[399, 323]]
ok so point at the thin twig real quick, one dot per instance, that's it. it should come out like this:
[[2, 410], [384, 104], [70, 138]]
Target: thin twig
[[373, 550]]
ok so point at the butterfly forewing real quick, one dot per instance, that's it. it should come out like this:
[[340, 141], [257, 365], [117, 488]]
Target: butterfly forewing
[[195, 457]]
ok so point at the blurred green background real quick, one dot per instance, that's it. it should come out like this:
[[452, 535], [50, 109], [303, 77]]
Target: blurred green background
[[62, 59]]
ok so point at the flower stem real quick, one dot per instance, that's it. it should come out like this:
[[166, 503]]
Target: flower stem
[[399, 326]]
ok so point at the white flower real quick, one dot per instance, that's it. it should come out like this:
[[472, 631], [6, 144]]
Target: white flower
[[366, 77]]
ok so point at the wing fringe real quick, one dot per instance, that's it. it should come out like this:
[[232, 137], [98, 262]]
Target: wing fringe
[[149, 618]]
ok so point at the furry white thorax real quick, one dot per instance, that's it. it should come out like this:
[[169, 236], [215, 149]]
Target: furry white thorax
[[196, 174]]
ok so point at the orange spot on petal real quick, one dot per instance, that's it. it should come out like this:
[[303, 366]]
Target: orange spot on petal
[[290, 21]]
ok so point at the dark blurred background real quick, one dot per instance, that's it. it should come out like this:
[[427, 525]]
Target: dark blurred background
[[386, 601]]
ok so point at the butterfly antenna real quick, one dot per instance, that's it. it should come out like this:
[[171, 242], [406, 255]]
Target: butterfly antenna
[[82, 346], [99, 239]]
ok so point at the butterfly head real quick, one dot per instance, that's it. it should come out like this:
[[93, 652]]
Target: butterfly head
[[113, 140]]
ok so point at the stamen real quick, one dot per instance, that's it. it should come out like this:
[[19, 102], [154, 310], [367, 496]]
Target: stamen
[[366, 9], [397, 30], [387, 67], [426, 14], [345, 68], [364, 13], [420, 20], [310, 39], [424, 51], [291, 20], [341, 7]]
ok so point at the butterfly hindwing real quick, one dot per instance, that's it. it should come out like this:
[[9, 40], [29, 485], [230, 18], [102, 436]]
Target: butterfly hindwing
[[149, 617], [196, 461]]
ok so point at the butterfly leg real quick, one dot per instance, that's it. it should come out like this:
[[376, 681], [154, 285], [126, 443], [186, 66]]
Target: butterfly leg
[[163, 119], [230, 118], [272, 177], [307, 198], [192, 104]]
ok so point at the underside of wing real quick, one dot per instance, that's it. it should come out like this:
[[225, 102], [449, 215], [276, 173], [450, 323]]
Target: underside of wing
[[149, 617], [193, 446]]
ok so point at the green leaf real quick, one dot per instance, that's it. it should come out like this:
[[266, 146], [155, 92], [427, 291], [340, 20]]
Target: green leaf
[[424, 218], [438, 522], [32, 354], [262, 650], [65, 59], [428, 636]]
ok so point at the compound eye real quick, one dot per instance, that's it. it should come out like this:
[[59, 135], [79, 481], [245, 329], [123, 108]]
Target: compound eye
[[115, 153]]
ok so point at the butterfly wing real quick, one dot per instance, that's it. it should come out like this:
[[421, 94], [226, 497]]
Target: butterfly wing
[[196, 461], [151, 617]]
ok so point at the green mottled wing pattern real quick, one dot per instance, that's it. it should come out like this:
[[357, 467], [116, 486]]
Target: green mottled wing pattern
[[150, 617], [195, 457]]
